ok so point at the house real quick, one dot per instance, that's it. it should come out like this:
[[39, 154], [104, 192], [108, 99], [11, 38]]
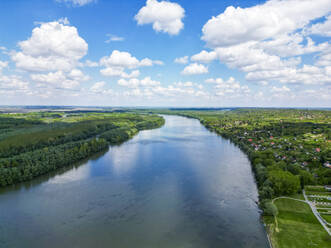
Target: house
[[327, 187], [327, 164]]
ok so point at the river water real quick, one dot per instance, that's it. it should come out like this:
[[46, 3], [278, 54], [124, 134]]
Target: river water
[[179, 186]]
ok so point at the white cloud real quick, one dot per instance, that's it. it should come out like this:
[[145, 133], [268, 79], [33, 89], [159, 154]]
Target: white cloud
[[120, 59], [176, 90], [78, 75], [204, 56], [274, 18], [181, 60], [280, 90], [78, 3], [3, 64], [323, 29], [248, 58], [13, 84], [119, 72], [214, 80], [291, 45], [126, 60], [60, 79], [134, 82], [184, 84], [228, 88], [195, 68], [165, 16], [51, 77], [90, 63], [98, 87], [149, 62], [114, 38], [267, 41], [53, 46], [116, 63]]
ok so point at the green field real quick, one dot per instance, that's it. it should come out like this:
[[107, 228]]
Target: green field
[[297, 226], [326, 217], [315, 189]]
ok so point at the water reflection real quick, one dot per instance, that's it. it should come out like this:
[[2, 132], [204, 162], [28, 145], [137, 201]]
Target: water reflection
[[177, 186]]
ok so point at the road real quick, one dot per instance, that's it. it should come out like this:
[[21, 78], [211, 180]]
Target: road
[[316, 213]]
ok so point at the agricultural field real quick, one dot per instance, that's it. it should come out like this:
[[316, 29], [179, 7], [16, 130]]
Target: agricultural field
[[33, 144]]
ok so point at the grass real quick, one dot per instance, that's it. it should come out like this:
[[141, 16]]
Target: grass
[[315, 199], [315, 188], [323, 210], [318, 193], [297, 226], [297, 196], [322, 206], [326, 217]]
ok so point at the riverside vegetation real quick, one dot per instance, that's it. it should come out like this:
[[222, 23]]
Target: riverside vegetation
[[32, 144]]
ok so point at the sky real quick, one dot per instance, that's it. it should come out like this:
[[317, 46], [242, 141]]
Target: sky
[[178, 53]]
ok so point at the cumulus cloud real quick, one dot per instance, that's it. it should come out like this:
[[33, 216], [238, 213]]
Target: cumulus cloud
[[229, 88], [204, 56], [13, 84], [184, 84], [117, 62], [3, 64], [181, 60], [323, 29], [165, 16], [267, 41], [238, 25], [126, 60], [60, 79], [90, 63], [119, 72], [52, 46], [98, 86], [134, 82], [195, 68], [176, 90], [280, 89]]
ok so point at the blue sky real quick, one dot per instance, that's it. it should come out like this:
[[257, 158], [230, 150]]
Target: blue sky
[[165, 53]]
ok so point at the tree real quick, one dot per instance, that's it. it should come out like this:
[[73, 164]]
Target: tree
[[283, 182], [270, 209]]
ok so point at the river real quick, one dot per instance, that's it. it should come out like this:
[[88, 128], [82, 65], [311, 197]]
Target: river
[[179, 186]]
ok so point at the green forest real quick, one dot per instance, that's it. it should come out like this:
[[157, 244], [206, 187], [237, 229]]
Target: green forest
[[32, 144]]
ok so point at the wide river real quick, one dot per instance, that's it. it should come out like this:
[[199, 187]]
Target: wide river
[[179, 186]]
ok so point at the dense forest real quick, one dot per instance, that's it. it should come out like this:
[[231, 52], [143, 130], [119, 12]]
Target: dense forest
[[33, 144], [288, 148]]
